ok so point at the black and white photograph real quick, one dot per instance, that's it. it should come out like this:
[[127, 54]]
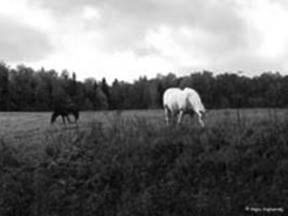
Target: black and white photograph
[[143, 107]]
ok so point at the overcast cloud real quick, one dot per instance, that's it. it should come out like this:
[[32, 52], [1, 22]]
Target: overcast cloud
[[20, 42], [126, 39]]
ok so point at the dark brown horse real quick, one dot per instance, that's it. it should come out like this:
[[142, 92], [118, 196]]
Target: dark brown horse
[[64, 112]]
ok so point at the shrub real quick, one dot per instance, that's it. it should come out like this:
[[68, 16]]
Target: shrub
[[134, 167]]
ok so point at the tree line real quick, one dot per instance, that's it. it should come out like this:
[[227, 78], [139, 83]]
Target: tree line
[[25, 89]]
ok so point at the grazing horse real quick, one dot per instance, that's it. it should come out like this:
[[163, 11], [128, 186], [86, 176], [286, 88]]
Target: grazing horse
[[65, 111], [177, 102]]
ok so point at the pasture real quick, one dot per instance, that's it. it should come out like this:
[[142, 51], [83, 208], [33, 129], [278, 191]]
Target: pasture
[[32, 127], [130, 163]]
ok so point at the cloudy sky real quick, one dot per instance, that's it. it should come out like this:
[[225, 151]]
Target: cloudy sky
[[125, 39]]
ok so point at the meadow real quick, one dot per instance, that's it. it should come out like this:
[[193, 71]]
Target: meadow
[[130, 163], [32, 127]]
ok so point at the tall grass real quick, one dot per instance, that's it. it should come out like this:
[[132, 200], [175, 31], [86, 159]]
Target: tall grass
[[136, 167]]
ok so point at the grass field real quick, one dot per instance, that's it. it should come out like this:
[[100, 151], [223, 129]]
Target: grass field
[[130, 163], [32, 127]]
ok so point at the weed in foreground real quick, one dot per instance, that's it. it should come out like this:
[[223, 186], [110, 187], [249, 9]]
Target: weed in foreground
[[134, 167]]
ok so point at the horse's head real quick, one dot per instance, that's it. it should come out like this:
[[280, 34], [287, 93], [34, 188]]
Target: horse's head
[[201, 115], [204, 114]]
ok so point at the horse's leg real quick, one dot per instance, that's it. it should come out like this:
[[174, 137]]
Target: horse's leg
[[175, 117], [53, 118], [167, 115], [63, 119], [68, 118], [180, 114]]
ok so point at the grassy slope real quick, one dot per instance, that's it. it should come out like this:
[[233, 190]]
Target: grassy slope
[[132, 166]]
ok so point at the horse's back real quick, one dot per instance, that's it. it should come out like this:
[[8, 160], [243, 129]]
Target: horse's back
[[65, 110], [174, 99]]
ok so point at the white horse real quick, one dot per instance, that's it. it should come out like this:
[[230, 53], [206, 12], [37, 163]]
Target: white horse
[[180, 102]]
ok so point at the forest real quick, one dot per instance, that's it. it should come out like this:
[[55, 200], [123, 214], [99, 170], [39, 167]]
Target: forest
[[26, 89]]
